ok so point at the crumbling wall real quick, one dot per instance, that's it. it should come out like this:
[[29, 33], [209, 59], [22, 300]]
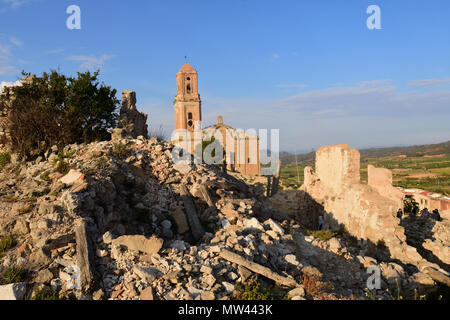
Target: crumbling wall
[[381, 180], [130, 118], [362, 209], [337, 166], [296, 204]]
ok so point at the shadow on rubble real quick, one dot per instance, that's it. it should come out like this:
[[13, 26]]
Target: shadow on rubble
[[417, 231], [333, 266]]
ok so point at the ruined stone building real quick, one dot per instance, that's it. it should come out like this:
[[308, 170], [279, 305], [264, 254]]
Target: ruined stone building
[[367, 211], [241, 148], [133, 121]]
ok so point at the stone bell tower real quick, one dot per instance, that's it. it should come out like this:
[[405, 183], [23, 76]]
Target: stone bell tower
[[187, 102]]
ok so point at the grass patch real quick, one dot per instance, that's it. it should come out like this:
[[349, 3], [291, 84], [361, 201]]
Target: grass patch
[[256, 292], [5, 158], [121, 150], [12, 274], [45, 293], [101, 163], [54, 193], [323, 235], [63, 155], [45, 176], [7, 242], [62, 167]]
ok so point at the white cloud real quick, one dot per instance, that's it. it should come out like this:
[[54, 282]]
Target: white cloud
[[428, 83], [7, 65], [15, 3], [4, 84], [275, 56], [360, 116], [293, 85], [5, 51], [374, 83], [90, 63], [16, 42]]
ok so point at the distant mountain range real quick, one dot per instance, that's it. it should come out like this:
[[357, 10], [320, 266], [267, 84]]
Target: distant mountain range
[[410, 151]]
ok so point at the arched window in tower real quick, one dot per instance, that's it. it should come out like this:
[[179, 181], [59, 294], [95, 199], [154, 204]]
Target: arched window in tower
[[190, 122], [188, 85]]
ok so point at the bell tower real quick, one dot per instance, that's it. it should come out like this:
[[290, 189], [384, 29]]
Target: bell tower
[[187, 102]]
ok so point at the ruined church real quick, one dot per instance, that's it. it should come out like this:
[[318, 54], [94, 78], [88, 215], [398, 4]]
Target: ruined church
[[241, 148]]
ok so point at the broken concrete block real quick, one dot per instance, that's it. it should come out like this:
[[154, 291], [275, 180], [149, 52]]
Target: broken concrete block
[[14, 291], [140, 243], [253, 223], [72, 177]]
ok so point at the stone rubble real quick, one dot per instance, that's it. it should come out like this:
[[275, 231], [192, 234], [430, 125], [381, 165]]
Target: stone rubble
[[139, 241]]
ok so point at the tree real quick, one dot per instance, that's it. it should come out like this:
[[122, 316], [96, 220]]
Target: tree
[[57, 110], [409, 204]]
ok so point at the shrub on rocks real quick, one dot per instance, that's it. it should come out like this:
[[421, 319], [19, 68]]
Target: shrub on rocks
[[257, 292], [6, 242], [45, 293], [323, 235], [12, 274], [57, 110]]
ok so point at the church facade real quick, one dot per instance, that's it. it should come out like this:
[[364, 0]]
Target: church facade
[[240, 148]]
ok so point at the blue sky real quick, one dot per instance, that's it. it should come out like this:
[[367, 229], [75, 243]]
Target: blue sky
[[310, 68]]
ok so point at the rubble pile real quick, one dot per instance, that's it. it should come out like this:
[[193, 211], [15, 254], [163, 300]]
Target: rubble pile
[[119, 220]]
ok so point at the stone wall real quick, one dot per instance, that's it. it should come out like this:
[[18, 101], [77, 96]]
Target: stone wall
[[381, 180], [362, 209], [337, 166], [130, 118]]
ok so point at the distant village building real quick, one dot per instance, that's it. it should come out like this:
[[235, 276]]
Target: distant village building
[[241, 148], [426, 199]]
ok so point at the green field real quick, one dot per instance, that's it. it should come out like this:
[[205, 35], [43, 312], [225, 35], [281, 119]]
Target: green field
[[429, 171], [290, 177]]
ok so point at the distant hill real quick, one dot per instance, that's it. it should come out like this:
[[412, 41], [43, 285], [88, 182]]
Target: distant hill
[[289, 159], [412, 151]]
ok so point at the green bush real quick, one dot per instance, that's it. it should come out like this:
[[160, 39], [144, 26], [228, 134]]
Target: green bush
[[45, 176], [120, 149], [12, 274], [7, 242], [45, 293], [323, 235], [57, 110], [62, 167], [256, 292]]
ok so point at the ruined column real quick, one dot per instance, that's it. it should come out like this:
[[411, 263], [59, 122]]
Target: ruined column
[[130, 119]]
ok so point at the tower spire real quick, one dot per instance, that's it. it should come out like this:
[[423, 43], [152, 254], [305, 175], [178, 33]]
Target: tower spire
[[187, 102]]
